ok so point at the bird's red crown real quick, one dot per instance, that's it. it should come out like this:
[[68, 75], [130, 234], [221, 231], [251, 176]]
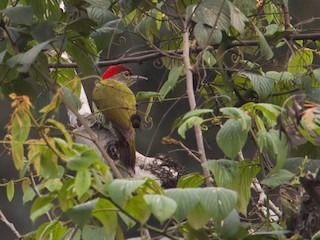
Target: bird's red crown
[[113, 70]]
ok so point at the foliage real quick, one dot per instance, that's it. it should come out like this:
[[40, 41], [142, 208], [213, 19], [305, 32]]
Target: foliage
[[230, 43]]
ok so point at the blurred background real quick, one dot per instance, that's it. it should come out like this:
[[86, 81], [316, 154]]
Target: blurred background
[[148, 141]]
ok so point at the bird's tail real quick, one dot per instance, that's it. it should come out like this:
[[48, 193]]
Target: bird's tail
[[127, 152]]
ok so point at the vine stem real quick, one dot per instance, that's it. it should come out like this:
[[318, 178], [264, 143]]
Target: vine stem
[[9, 224], [192, 100]]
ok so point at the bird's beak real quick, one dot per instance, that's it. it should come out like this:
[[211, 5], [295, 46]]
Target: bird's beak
[[135, 78]]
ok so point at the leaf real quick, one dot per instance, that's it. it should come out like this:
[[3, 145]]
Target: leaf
[[191, 180], [275, 179], [106, 213], [261, 84], [51, 230], [161, 206], [198, 217], [230, 226], [237, 18], [20, 129], [186, 200], [209, 59], [215, 14], [189, 123], [247, 170], [82, 181], [26, 59], [137, 207], [54, 184], [40, 207], [300, 60], [232, 137], [84, 160], [46, 10], [237, 114], [223, 170], [121, 189], [146, 95], [84, 52], [218, 202], [10, 190], [206, 35], [265, 49], [173, 77], [19, 14], [81, 213]]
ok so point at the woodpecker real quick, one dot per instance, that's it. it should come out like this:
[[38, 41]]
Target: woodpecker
[[114, 103]]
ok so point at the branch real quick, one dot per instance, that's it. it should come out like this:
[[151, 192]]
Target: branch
[[174, 53], [9, 224], [192, 100]]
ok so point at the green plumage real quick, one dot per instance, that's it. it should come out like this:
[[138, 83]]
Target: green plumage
[[116, 103]]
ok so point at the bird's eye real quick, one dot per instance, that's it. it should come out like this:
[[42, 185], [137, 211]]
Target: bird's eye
[[126, 73]]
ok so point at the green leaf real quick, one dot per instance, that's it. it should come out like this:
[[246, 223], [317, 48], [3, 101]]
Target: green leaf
[[232, 137], [3, 4], [81, 213], [237, 114], [247, 170], [261, 84], [238, 19], [137, 207], [40, 207], [84, 52], [121, 189], [106, 213], [230, 225], [215, 14], [28, 195], [209, 59], [223, 170], [54, 230], [206, 35], [82, 181], [146, 95], [94, 232], [161, 206], [198, 217], [218, 202], [265, 49], [173, 77], [20, 129], [25, 60], [54, 184], [186, 200], [189, 123], [316, 74], [300, 60], [275, 179], [84, 160], [19, 14], [191, 180], [71, 98], [10, 190]]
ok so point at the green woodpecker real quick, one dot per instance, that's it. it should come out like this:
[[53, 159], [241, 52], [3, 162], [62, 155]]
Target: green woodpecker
[[115, 103]]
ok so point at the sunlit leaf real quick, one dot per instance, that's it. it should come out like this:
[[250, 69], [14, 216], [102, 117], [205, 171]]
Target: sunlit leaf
[[40, 207], [10, 190], [300, 60], [192, 180], [82, 181], [173, 77]]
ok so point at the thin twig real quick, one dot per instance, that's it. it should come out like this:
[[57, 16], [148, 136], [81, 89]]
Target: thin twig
[[9, 224]]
